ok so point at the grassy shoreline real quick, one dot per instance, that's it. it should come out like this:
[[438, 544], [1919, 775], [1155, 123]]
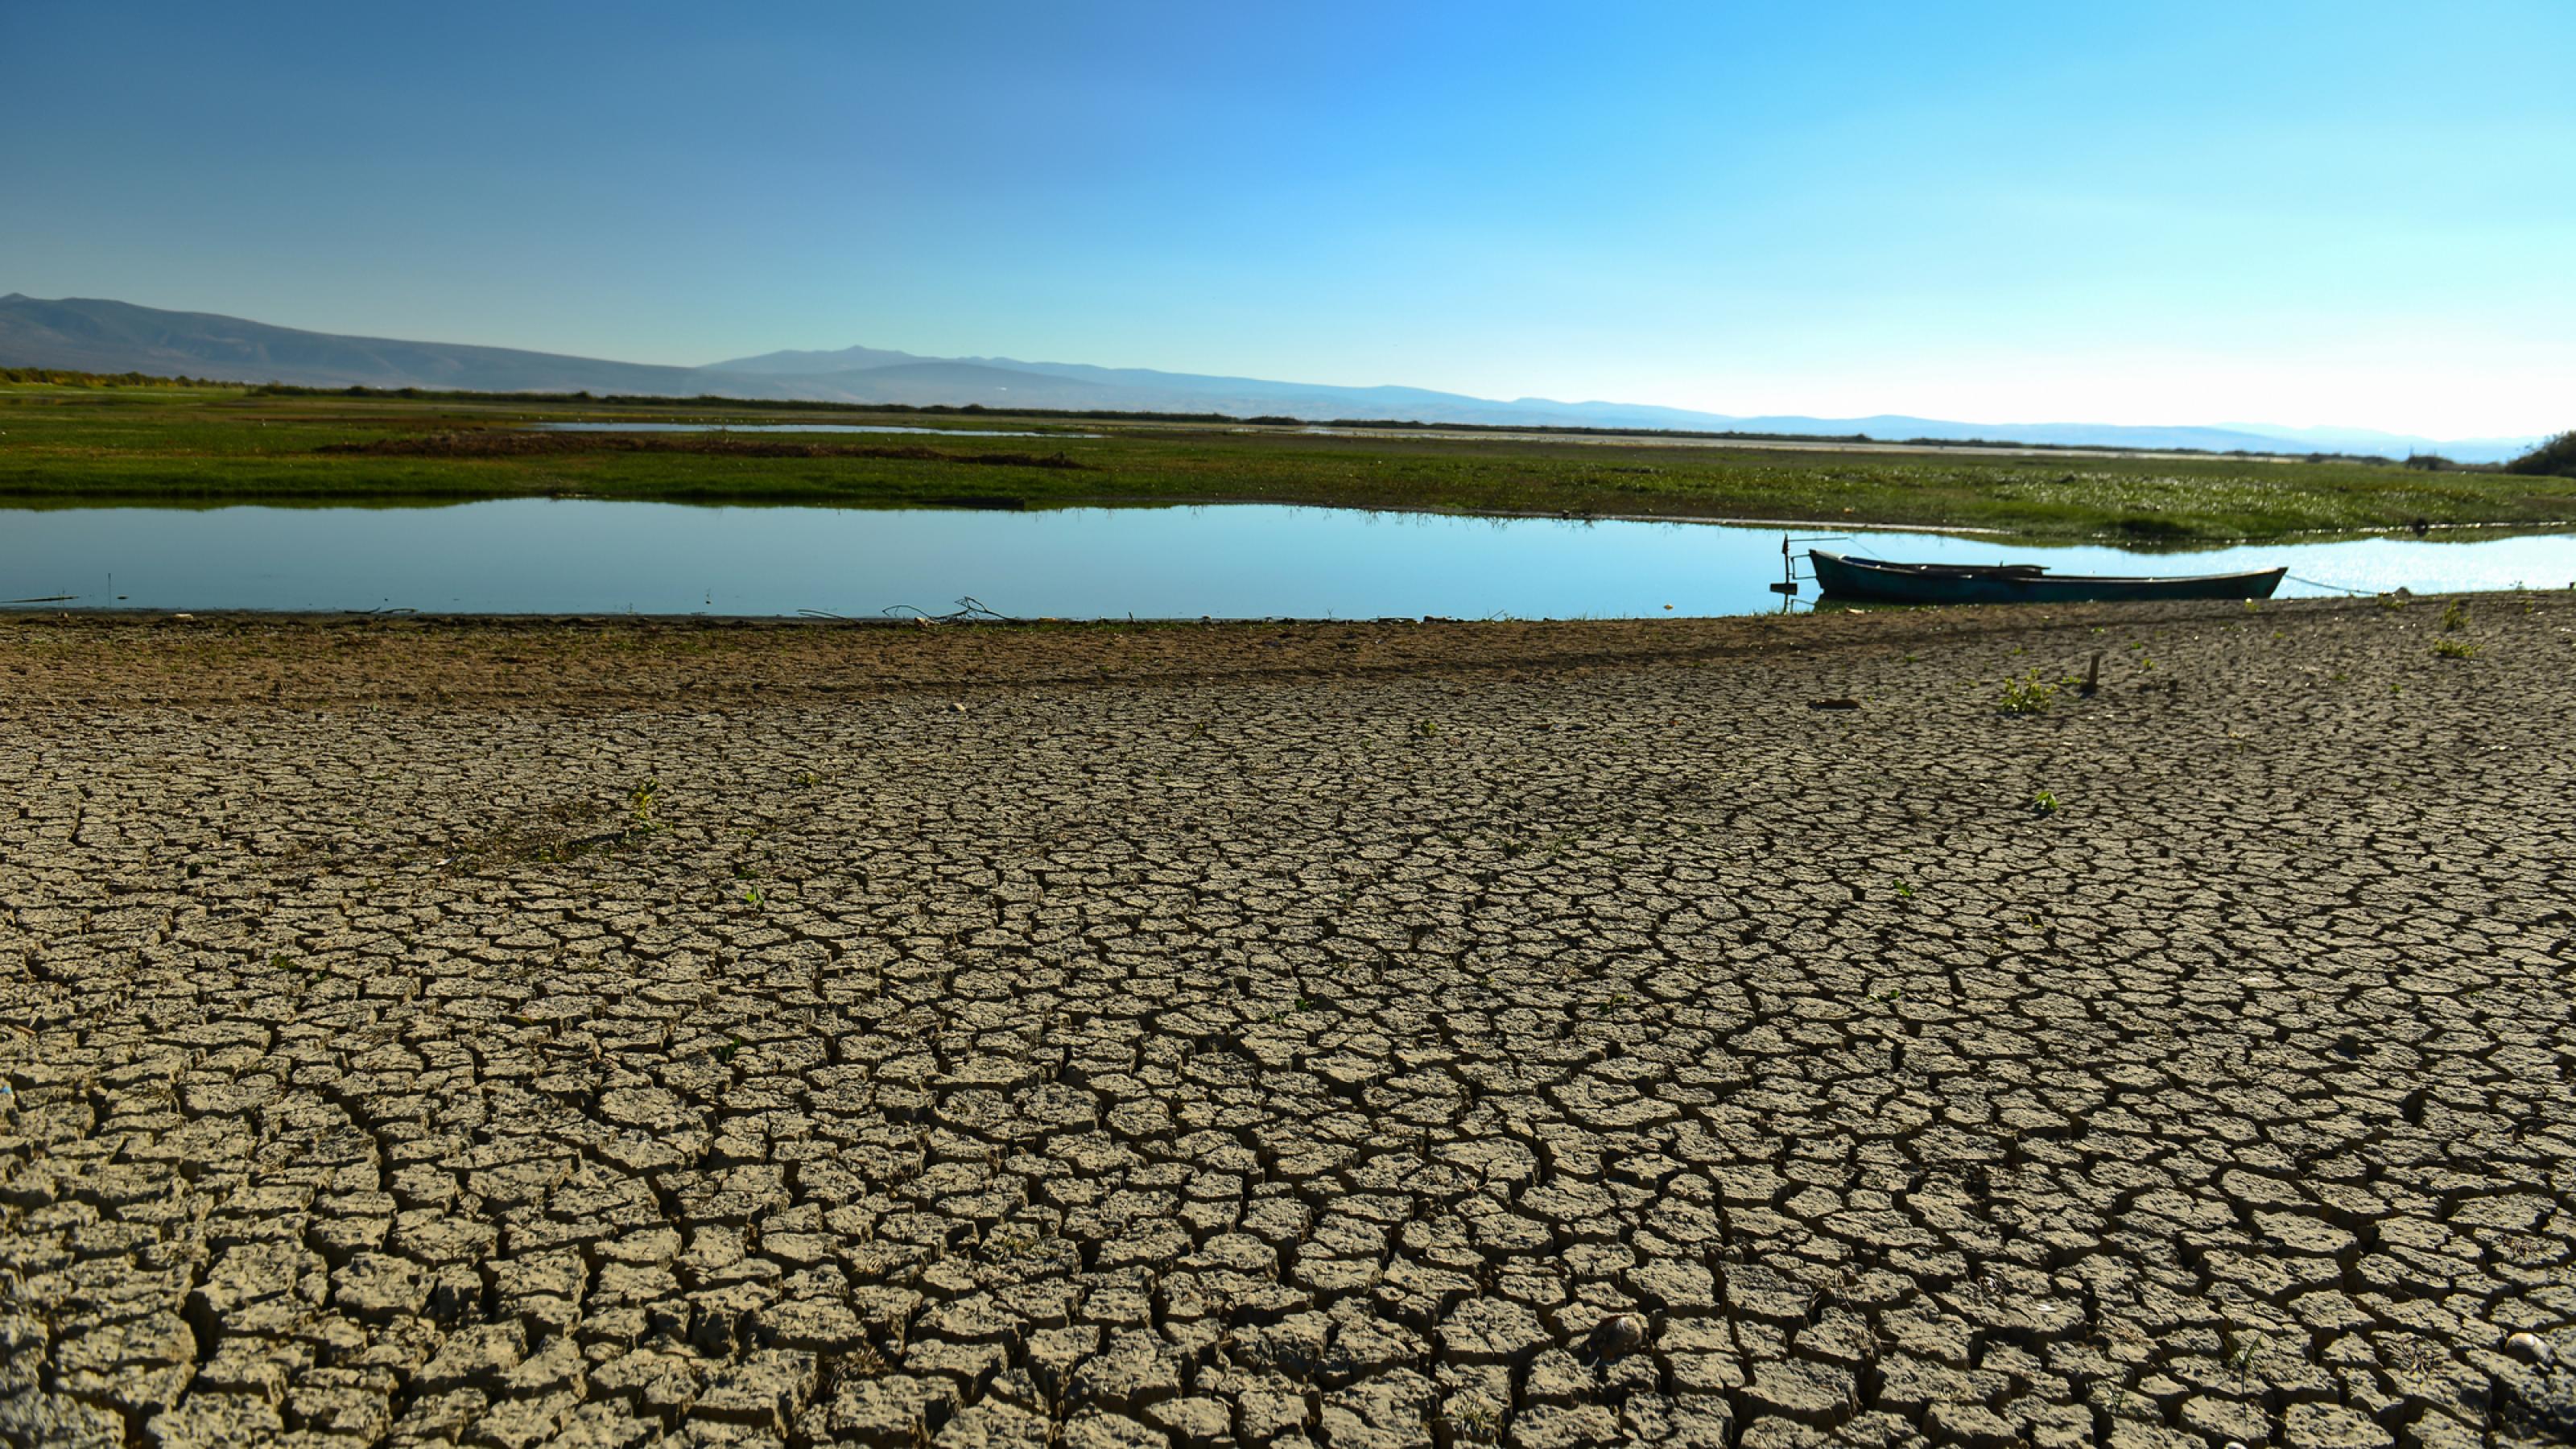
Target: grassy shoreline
[[215, 446]]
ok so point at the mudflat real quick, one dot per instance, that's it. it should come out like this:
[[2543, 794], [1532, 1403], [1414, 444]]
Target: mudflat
[[1691, 1032]]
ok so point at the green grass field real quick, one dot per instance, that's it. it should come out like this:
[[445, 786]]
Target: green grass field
[[63, 446]]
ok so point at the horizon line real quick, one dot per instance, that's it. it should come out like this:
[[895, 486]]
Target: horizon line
[[2255, 429]]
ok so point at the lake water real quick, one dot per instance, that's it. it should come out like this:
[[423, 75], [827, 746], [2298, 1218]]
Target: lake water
[[1241, 561]]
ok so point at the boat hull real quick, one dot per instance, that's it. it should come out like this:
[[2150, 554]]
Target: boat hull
[[1877, 581]]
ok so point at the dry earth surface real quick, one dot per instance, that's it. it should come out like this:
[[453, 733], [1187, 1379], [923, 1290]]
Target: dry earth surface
[[1349, 1035]]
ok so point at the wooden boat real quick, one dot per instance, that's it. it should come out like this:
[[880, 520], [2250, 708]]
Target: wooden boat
[[1876, 580]]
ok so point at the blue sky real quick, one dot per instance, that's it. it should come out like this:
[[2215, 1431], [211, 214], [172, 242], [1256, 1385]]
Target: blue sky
[[2356, 213]]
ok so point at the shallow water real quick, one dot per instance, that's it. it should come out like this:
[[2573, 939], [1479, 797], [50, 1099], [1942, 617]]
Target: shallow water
[[1239, 561]]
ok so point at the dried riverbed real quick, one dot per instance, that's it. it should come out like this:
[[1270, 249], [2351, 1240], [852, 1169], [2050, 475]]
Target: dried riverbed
[[524, 1032]]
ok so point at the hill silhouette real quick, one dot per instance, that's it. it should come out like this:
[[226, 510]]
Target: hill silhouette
[[105, 336]]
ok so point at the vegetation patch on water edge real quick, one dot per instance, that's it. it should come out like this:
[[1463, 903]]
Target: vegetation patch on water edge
[[2556, 457], [75, 445]]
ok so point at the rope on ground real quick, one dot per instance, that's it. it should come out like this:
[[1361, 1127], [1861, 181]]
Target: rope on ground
[[2322, 584], [969, 610]]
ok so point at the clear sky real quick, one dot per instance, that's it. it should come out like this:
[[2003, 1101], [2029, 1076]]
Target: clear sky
[[2359, 213]]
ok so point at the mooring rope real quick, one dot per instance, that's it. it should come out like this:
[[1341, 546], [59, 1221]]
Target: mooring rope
[[969, 610], [2338, 588]]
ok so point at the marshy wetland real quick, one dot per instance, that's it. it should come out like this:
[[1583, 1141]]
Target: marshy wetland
[[68, 446], [179, 498]]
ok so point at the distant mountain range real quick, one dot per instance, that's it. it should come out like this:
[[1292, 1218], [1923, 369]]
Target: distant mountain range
[[94, 335]]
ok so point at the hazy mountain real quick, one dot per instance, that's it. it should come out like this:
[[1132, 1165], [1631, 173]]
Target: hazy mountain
[[931, 382], [848, 359], [2398, 445], [104, 336]]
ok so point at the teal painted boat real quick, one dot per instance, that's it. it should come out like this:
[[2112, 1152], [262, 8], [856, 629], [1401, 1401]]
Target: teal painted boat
[[1870, 580]]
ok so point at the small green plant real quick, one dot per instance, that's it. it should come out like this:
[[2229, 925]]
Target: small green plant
[[732, 1047], [2455, 617], [2253, 606], [1425, 729], [639, 807], [2392, 601], [2043, 802], [2454, 649], [2242, 1345], [751, 895], [2029, 694], [1904, 891]]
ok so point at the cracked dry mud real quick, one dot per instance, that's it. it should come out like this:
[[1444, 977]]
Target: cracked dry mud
[[1278, 1034]]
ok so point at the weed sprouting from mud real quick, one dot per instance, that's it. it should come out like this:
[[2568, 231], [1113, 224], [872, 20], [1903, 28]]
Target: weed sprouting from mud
[[640, 820], [2029, 694]]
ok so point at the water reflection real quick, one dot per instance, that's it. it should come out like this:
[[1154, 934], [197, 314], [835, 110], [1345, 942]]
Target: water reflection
[[1241, 561]]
